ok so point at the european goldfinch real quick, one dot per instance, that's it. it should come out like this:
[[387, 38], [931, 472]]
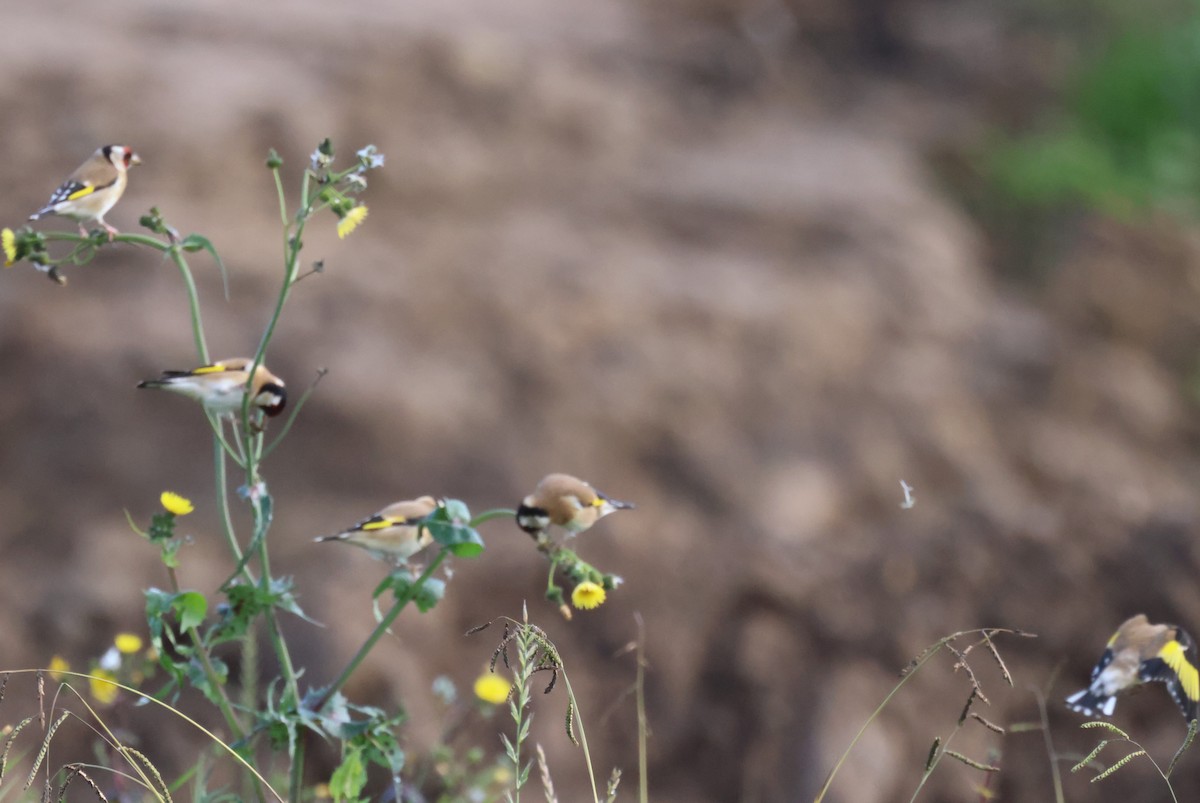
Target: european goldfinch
[[1140, 652], [393, 534], [567, 502], [221, 387], [92, 190]]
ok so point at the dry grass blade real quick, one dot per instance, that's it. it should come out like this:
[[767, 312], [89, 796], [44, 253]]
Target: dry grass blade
[[992, 726], [933, 751], [146, 765], [1118, 765], [996, 654], [614, 781], [41, 698], [966, 667], [970, 762], [8, 743], [1108, 726], [1187, 742], [1090, 757], [41, 756], [73, 771], [544, 771], [571, 721], [967, 708]]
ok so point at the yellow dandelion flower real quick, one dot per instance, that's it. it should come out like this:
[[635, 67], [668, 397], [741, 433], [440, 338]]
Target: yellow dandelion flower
[[58, 665], [174, 503], [491, 688], [588, 595], [128, 643], [350, 221], [103, 686], [9, 241]]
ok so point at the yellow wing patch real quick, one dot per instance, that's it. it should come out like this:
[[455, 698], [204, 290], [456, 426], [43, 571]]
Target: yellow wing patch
[[598, 501], [382, 524], [1174, 656], [80, 193], [215, 368]]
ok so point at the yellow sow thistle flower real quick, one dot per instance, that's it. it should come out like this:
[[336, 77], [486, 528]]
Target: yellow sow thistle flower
[[103, 687], [128, 643], [9, 241], [350, 221], [588, 595], [174, 503], [58, 665], [491, 688]]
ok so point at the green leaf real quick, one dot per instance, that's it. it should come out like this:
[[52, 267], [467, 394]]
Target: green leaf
[[349, 778], [450, 526], [158, 604], [191, 607]]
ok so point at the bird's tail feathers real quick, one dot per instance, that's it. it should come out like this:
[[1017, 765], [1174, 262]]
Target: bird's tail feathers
[[1090, 704]]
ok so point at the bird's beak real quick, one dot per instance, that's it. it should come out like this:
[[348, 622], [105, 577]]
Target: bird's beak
[[134, 159], [619, 505]]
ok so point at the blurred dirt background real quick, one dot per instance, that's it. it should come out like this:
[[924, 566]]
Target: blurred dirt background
[[704, 253]]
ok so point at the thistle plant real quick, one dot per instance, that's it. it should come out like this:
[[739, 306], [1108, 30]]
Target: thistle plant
[[190, 630]]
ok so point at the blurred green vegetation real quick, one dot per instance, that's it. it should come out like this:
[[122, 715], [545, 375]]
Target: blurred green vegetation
[[1127, 136]]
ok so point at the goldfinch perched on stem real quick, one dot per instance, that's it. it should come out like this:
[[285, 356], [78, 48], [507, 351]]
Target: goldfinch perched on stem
[[221, 387], [566, 501], [393, 534], [92, 190], [1140, 652]]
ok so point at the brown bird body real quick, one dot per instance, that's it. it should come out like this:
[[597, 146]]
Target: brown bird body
[[393, 534], [93, 189], [567, 502], [221, 386]]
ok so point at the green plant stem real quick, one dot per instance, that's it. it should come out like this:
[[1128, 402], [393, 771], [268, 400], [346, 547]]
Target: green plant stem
[[170, 249], [489, 515], [380, 629], [210, 672], [277, 641], [643, 722], [222, 483], [1051, 753], [193, 302], [296, 783]]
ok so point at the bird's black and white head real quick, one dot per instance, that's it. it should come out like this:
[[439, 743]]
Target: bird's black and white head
[[271, 398], [121, 157]]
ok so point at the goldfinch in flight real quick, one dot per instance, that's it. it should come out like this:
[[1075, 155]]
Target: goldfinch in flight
[[221, 387], [92, 190], [1140, 652], [393, 534], [566, 501]]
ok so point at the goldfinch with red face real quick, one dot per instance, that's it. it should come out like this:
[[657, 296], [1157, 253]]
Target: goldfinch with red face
[[1140, 652], [91, 191], [221, 387], [565, 501], [394, 534]]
